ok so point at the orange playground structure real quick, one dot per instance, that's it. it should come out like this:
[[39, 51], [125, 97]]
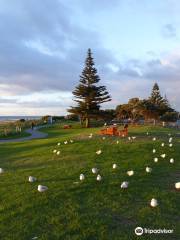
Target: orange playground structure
[[113, 131]]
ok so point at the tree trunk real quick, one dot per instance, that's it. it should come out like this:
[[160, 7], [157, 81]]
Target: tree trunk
[[81, 121], [87, 122]]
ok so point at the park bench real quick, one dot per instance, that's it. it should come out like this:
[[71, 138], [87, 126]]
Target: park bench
[[109, 131], [67, 126], [113, 131], [123, 133]]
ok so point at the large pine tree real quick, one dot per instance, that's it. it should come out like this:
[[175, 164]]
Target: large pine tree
[[88, 94], [156, 97], [160, 104]]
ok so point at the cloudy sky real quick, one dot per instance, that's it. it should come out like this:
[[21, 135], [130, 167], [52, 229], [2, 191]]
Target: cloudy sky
[[43, 44]]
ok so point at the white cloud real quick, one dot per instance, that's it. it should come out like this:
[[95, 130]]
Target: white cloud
[[43, 46]]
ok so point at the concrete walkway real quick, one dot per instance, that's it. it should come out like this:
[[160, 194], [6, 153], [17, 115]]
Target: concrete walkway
[[35, 134]]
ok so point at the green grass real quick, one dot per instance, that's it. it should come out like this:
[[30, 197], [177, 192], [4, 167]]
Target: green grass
[[90, 209]]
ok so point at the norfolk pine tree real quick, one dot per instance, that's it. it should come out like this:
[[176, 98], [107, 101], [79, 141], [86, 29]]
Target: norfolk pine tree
[[156, 97], [88, 94], [161, 105]]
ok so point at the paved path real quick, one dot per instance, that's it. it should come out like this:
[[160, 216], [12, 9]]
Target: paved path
[[35, 134]]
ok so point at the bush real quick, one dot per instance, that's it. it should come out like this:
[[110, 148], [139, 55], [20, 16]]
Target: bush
[[170, 117]]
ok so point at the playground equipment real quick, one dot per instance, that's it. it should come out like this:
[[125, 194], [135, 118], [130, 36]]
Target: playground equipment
[[113, 131]]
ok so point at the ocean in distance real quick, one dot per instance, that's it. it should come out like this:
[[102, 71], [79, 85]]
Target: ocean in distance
[[16, 118]]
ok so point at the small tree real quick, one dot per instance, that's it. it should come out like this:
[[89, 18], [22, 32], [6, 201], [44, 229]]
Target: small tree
[[124, 111], [129, 110], [88, 95], [148, 110]]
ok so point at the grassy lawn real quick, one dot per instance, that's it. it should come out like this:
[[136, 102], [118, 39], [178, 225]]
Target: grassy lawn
[[74, 210]]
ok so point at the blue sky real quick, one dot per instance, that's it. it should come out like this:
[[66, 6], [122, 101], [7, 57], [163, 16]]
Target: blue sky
[[43, 46]]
